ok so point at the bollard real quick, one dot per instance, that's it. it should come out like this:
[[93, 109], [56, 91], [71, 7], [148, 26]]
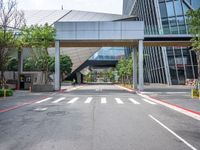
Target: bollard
[[30, 89]]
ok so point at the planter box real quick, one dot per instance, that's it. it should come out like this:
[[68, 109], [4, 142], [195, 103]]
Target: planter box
[[42, 88]]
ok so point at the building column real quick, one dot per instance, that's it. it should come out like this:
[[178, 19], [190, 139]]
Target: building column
[[135, 68], [78, 77], [57, 66], [141, 65], [20, 67]]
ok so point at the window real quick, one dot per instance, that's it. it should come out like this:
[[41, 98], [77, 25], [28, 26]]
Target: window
[[178, 7], [163, 10], [185, 8], [196, 4], [170, 9]]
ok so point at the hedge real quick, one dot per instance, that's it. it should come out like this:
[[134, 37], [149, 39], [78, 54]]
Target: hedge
[[9, 92]]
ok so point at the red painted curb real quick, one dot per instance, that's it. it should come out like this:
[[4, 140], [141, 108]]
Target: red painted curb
[[186, 109], [19, 106]]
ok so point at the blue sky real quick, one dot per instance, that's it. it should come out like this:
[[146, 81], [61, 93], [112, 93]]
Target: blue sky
[[107, 6]]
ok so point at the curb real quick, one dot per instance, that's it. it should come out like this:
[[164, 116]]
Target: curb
[[188, 112], [127, 89], [19, 106]]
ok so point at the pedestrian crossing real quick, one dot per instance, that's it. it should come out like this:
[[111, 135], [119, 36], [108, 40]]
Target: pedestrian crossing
[[89, 100]]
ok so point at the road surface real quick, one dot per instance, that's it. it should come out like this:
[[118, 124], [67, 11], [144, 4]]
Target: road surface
[[96, 117]]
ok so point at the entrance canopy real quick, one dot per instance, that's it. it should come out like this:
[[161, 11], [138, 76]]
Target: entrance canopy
[[100, 34]]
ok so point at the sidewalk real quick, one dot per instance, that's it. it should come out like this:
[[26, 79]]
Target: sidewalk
[[175, 95], [68, 88]]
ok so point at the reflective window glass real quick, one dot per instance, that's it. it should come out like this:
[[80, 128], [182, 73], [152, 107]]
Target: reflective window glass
[[185, 8], [196, 4], [163, 10], [170, 9], [182, 30], [174, 30], [178, 7], [172, 21], [180, 21]]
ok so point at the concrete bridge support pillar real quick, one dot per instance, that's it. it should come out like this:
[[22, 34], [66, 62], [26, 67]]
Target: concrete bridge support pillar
[[141, 65], [135, 68], [57, 66]]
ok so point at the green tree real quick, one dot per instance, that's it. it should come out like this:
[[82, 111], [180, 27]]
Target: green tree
[[29, 64], [10, 18], [12, 64], [125, 70], [40, 38], [65, 66], [194, 24]]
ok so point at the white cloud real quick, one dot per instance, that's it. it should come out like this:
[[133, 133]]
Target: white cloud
[[108, 6]]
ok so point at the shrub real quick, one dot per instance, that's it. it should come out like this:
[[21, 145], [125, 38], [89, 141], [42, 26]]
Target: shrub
[[9, 92]]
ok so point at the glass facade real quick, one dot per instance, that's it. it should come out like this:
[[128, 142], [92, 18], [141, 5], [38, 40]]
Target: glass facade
[[109, 53], [171, 65]]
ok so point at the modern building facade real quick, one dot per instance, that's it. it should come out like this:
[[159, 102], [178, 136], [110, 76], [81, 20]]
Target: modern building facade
[[79, 55], [168, 65]]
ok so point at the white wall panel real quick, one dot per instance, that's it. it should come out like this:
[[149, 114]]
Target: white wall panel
[[120, 30]]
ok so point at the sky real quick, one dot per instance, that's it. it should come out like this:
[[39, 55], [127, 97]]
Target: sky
[[107, 6]]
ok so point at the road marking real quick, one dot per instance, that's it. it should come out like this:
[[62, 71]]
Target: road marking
[[182, 110], [134, 101], [44, 100], [119, 101], [150, 102], [121, 87], [88, 100], [41, 109], [172, 132], [103, 100], [73, 100], [59, 100]]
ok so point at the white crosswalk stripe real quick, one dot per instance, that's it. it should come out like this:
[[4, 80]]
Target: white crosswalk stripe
[[119, 101], [73, 100], [88, 100], [103, 100], [148, 101], [59, 100], [44, 100], [134, 101]]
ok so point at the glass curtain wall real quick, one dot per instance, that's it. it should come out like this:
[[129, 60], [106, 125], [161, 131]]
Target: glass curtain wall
[[166, 17], [182, 60]]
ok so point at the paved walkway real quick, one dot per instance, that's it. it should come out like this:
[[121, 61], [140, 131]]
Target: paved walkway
[[177, 95]]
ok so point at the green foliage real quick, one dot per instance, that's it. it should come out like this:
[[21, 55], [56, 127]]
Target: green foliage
[[125, 70], [39, 38], [9, 92], [37, 65], [30, 64], [65, 64], [194, 24], [12, 64]]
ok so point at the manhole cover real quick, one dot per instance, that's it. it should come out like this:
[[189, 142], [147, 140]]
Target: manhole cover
[[56, 113]]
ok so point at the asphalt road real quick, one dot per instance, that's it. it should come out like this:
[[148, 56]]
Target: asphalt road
[[96, 117]]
